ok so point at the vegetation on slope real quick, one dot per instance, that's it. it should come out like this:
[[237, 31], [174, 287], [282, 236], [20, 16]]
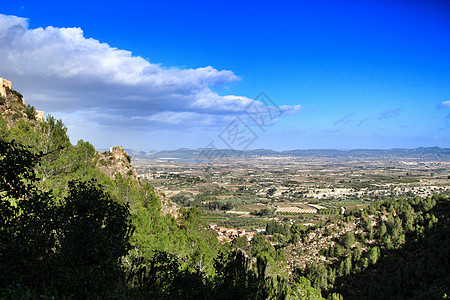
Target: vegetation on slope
[[68, 230], [82, 246]]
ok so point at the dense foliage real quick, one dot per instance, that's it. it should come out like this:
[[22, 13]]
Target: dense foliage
[[399, 248], [69, 247], [414, 253]]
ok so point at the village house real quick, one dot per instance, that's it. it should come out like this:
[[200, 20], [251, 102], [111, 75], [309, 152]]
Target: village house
[[229, 234], [250, 235], [232, 233]]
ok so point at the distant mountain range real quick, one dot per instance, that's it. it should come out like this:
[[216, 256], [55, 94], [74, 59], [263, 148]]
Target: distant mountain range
[[429, 153]]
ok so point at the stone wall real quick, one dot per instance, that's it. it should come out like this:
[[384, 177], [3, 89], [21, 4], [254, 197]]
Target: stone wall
[[40, 115], [3, 83]]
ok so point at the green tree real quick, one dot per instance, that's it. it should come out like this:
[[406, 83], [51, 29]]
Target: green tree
[[373, 255], [30, 111], [357, 253], [383, 229], [348, 239], [335, 296], [4, 130], [241, 243], [348, 264], [302, 289], [275, 227], [72, 247], [260, 245], [370, 233], [338, 250]]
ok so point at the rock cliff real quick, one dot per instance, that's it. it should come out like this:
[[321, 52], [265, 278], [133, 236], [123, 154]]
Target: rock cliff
[[116, 161]]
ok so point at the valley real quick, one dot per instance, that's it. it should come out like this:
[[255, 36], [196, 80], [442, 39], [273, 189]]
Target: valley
[[249, 191]]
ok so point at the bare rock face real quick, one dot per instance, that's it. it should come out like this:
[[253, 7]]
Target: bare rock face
[[116, 161], [12, 107], [168, 207]]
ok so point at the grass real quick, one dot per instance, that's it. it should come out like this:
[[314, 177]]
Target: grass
[[250, 207], [229, 201]]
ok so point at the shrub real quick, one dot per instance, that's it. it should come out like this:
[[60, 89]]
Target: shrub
[[16, 116], [14, 92], [30, 111]]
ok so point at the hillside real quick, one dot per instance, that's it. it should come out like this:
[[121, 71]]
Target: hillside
[[62, 164], [14, 108], [391, 248]]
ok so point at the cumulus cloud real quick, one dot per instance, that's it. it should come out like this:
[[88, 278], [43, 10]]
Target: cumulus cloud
[[60, 70]]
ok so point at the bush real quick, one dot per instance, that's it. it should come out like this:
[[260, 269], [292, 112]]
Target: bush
[[15, 93], [348, 239], [30, 111], [16, 116]]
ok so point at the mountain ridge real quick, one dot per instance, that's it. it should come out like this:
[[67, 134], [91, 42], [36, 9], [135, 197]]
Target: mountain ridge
[[435, 152]]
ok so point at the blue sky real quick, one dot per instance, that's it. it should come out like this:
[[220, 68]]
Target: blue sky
[[168, 74]]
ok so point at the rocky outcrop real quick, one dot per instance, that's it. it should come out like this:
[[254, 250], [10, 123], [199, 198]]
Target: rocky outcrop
[[116, 161], [168, 207], [13, 107]]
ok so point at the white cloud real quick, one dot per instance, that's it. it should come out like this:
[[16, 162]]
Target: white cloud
[[60, 70], [66, 53], [185, 118], [445, 104]]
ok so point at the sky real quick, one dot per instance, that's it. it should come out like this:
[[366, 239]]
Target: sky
[[156, 75]]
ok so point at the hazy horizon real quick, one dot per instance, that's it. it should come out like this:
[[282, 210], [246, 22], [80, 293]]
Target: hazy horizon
[[284, 150]]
